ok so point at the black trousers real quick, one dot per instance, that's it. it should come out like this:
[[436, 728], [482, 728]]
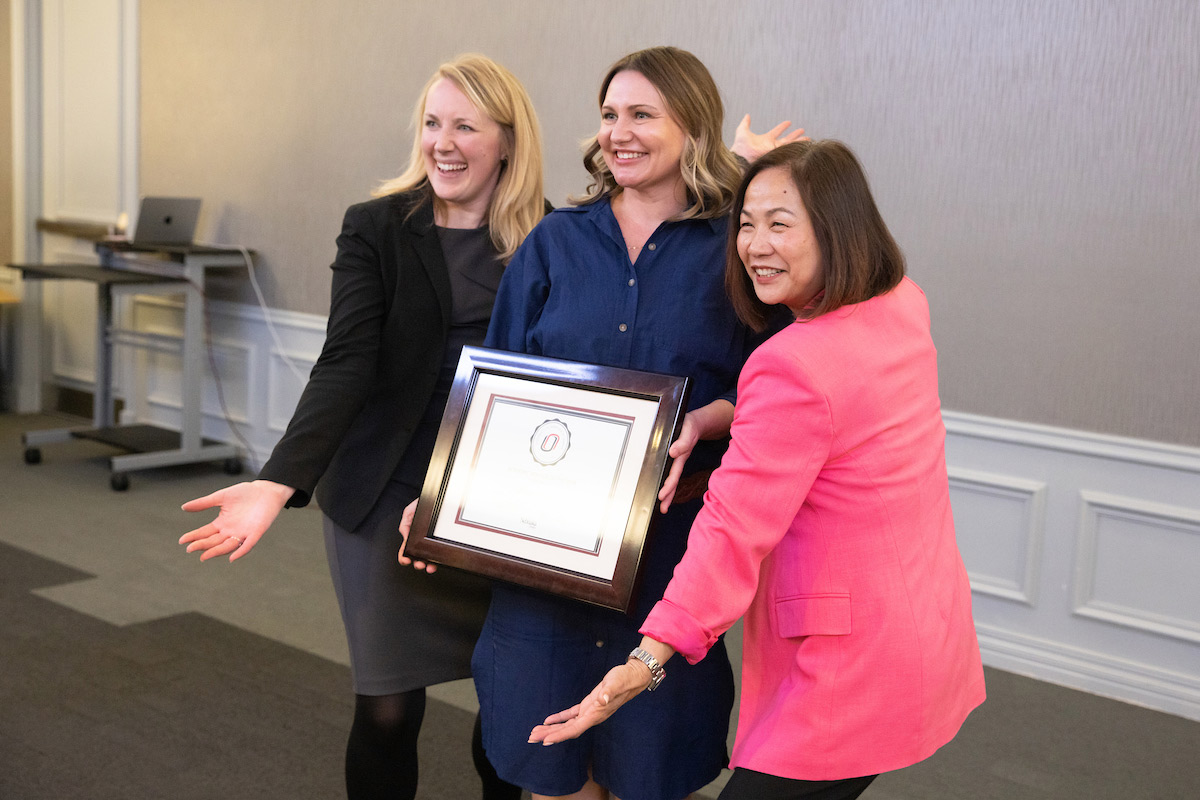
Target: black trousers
[[747, 784]]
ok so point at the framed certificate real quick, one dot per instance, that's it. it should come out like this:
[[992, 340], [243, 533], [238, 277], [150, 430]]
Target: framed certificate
[[546, 473]]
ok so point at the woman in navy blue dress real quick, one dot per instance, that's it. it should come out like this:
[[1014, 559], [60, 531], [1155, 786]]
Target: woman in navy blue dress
[[631, 276]]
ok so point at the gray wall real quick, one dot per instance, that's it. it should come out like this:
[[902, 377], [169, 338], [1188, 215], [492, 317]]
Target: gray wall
[[1038, 161]]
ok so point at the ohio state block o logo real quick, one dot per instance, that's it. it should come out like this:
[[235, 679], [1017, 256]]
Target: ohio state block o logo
[[550, 442]]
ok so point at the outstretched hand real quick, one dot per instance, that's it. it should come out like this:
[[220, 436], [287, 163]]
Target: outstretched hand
[[406, 520], [750, 145], [246, 511], [619, 686]]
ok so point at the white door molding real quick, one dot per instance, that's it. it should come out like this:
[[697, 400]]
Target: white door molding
[[75, 156]]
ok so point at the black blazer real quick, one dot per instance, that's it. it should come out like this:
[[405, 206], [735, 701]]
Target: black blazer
[[388, 321]]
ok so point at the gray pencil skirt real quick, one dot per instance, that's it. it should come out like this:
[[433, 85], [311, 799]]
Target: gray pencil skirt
[[406, 629]]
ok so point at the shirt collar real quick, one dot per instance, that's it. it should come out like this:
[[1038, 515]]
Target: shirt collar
[[600, 212]]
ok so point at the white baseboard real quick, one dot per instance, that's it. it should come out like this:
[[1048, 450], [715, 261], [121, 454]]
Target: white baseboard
[[1120, 679]]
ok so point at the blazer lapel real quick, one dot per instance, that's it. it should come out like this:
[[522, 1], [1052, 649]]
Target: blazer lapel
[[429, 253]]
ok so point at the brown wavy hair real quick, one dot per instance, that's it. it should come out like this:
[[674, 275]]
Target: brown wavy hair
[[710, 171], [859, 257]]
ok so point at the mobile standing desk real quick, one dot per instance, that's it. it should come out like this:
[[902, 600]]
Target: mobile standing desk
[[130, 269]]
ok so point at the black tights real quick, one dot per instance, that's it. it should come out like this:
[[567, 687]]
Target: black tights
[[381, 756]]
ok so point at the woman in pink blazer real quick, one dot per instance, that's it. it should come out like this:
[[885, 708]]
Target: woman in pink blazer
[[828, 523]]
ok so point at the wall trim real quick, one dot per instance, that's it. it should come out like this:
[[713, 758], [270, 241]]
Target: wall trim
[[1067, 440], [1090, 670], [298, 320]]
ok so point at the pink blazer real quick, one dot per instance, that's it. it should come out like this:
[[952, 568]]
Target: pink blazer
[[828, 527]]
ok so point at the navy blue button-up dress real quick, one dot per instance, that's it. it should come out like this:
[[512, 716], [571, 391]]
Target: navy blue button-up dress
[[571, 292]]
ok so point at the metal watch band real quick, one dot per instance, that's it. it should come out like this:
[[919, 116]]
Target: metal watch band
[[657, 673]]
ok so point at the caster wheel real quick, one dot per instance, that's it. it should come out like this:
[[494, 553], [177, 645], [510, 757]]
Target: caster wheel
[[33, 455], [119, 481], [232, 466]]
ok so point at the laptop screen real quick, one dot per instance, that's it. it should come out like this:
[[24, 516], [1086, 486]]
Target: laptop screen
[[167, 220]]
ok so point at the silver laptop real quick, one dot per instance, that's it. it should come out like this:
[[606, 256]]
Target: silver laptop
[[167, 221]]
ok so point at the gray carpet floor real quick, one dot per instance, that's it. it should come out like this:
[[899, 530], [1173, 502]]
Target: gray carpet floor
[[128, 670], [180, 707]]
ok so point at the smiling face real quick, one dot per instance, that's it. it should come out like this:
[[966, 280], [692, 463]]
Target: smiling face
[[462, 147], [777, 244], [640, 140]]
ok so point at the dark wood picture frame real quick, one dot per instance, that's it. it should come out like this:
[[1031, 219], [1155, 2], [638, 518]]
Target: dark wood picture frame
[[669, 395]]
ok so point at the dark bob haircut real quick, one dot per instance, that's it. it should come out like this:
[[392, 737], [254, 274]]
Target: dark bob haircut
[[859, 257]]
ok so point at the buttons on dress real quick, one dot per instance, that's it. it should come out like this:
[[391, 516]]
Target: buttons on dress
[[651, 245], [622, 327], [632, 281]]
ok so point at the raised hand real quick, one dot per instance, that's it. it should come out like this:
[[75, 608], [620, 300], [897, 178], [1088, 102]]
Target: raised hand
[[750, 145]]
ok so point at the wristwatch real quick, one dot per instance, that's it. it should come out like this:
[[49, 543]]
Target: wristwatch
[[657, 673]]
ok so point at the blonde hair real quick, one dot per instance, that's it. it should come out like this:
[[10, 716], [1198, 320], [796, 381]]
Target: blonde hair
[[518, 202], [710, 171]]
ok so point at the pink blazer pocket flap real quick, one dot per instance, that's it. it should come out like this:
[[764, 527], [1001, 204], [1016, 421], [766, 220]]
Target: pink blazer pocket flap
[[812, 615]]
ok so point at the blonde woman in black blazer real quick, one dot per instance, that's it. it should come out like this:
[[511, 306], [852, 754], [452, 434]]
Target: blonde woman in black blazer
[[414, 280]]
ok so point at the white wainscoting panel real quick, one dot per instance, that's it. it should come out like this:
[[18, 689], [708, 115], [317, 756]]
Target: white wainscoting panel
[[1002, 566], [256, 392], [1097, 539], [285, 385], [1121, 535]]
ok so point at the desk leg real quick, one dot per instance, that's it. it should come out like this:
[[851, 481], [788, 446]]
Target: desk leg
[[103, 407], [192, 357], [28, 353]]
